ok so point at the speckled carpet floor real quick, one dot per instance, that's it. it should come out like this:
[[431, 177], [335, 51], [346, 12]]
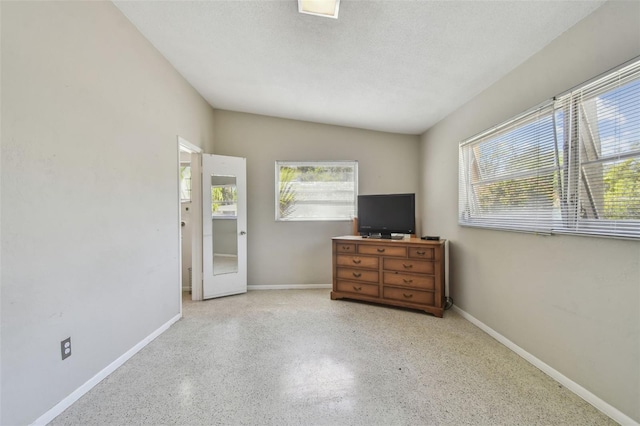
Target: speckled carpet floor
[[294, 357]]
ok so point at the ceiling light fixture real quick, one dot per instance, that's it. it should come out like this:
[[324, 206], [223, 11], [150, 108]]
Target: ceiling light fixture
[[326, 8]]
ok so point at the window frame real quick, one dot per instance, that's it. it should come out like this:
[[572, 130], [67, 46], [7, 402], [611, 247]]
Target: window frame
[[315, 163], [574, 189], [471, 171]]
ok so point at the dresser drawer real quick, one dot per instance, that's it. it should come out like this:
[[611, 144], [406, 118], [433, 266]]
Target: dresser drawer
[[381, 250], [358, 288], [409, 265], [345, 248], [423, 282], [357, 261], [421, 252], [412, 296], [357, 274]]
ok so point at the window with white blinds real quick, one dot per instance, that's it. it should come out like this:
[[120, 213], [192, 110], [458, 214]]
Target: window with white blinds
[[316, 190], [571, 165]]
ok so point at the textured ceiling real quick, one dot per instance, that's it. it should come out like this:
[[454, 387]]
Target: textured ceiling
[[396, 66]]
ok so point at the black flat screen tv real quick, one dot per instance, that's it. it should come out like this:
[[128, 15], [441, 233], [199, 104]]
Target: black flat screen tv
[[382, 215]]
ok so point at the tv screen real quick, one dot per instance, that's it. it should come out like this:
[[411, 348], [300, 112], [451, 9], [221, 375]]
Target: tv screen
[[386, 214]]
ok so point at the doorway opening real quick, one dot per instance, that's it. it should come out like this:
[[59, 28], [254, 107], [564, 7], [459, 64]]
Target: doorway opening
[[190, 220]]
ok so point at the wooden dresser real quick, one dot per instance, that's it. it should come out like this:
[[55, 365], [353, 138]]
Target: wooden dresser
[[407, 273]]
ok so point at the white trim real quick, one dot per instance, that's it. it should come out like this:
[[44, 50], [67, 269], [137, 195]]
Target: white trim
[[583, 393], [180, 148], [289, 287], [89, 384], [196, 226]]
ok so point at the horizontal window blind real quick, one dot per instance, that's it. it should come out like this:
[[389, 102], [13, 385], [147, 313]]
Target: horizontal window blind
[[571, 165], [509, 175], [316, 190]]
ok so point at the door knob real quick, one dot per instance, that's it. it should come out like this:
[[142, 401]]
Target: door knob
[[243, 233]]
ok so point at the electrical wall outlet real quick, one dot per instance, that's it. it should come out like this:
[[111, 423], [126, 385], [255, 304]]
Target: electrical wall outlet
[[65, 348]]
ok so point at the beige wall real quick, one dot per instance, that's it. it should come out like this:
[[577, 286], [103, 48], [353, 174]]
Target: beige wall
[[573, 302], [90, 232], [300, 252], [83, 93]]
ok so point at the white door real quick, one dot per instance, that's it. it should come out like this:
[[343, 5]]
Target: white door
[[224, 225]]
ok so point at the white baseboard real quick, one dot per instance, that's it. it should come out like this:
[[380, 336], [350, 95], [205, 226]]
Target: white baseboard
[[583, 393], [87, 386], [288, 287]]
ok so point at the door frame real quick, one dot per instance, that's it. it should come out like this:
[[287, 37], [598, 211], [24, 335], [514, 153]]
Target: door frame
[[195, 220]]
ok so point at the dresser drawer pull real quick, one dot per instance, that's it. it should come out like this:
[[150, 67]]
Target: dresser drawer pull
[[421, 253], [357, 288], [346, 248], [357, 261], [406, 281], [408, 296], [357, 274], [409, 266], [380, 250]]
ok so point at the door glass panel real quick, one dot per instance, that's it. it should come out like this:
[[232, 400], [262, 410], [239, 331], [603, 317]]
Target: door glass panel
[[224, 209]]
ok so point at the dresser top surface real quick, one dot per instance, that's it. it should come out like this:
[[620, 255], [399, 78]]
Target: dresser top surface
[[357, 238]]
